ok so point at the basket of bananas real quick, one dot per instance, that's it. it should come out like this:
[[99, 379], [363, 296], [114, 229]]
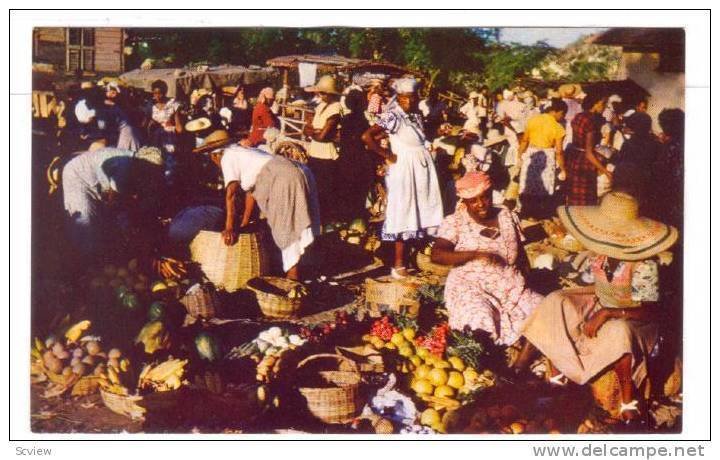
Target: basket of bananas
[[164, 377], [278, 297]]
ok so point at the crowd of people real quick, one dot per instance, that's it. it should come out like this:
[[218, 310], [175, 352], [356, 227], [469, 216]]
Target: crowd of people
[[142, 175]]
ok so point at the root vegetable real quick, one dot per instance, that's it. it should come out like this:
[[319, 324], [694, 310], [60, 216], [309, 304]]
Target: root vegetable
[[89, 360], [75, 361], [58, 348], [54, 365], [78, 353], [62, 355], [93, 348], [79, 369], [67, 371], [47, 356], [114, 353]]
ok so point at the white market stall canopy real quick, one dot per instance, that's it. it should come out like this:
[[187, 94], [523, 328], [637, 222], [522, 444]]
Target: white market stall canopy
[[184, 81]]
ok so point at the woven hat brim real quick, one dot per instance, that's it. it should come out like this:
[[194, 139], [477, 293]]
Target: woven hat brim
[[494, 141], [195, 126], [213, 145], [315, 89], [605, 239]]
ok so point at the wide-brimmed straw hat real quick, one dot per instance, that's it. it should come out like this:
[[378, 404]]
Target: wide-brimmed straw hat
[[326, 85], [615, 229], [198, 124], [215, 140], [494, 137]]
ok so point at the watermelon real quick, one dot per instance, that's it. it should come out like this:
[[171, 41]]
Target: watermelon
[[130, 301], [358, 226], [156, 311], [207, 346]]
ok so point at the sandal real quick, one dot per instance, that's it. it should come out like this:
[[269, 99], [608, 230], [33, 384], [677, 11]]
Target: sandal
[[558, 380], [631, 406]]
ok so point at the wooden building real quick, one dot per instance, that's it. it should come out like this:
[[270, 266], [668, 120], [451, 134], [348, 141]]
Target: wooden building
[[72, 49], [654, 58]]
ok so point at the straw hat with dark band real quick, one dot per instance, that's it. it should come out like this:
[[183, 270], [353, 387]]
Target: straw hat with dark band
[[215, 140], [616, 230]]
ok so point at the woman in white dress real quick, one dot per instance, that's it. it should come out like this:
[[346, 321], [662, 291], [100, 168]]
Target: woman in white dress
[[414, 203]]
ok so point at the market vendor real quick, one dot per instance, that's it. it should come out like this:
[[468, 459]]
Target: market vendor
[[614, 322], [111, 199], [414, 202], [278, 186], [485, 290], [262, 116], [322, 130]]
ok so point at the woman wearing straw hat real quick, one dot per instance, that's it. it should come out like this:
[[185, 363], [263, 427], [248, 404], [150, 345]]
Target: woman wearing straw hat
[[485, 290], [278, 186], [414, 203], [322, 131], [612, 323]]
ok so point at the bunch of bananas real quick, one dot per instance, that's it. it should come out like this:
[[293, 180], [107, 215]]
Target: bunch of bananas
[[297, 292], [165, 376], [154, 336]]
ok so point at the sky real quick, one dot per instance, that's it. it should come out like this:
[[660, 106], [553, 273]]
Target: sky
[[557, 37]]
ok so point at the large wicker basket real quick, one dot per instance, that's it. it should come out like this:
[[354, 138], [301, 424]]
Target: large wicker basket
[[201, 302], [276, 304], [388, 294], [425, 264], [229, 267], [339, 402]]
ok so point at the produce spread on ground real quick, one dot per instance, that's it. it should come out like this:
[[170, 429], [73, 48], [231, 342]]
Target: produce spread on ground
[[354, 353]]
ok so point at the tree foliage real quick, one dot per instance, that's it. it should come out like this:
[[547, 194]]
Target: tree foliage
[[460, 59]]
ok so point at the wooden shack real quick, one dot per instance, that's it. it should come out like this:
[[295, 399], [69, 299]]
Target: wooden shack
[[89, 50]]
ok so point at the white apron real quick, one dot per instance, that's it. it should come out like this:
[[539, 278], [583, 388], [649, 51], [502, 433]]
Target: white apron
[[414, 203]]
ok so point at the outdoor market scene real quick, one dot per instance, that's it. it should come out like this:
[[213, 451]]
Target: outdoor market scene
[[357, 231]]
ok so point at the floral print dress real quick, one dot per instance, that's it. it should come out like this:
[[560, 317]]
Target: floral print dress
[[487, 295]]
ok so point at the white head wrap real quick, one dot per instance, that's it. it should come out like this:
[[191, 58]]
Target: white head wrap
[[83, 113], [405, 85], [507, 94]]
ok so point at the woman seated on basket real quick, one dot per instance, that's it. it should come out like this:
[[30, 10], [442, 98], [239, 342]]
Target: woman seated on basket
[[612, 323], [485, 289], [278, 186]]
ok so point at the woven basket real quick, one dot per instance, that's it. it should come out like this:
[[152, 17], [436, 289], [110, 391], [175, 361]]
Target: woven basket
[[276, 305], [339, 403], [202, 303], [386, 293], [229, 267], [425, 264], [366, 357], [123, 404]]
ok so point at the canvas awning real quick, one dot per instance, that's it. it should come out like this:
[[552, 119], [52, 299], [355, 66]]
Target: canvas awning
[[184, 81]]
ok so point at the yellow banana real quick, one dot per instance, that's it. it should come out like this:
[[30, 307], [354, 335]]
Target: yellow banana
[[163, 371], [75, 331], [113, 375]]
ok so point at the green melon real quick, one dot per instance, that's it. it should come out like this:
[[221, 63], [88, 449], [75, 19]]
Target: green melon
[[156, 311]]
